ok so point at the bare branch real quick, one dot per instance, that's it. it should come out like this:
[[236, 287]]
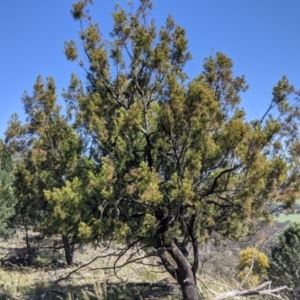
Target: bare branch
[[259, 290]]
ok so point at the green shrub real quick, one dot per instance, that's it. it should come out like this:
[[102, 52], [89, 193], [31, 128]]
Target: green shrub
[[285, 261]]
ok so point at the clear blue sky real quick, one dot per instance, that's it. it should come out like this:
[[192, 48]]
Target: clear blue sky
[[261, 37]]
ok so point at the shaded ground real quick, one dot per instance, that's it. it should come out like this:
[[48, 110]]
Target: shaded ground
[[164, 289]]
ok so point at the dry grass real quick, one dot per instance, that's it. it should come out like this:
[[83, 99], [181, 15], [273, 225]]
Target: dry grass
[[94, 281], [17, 282]]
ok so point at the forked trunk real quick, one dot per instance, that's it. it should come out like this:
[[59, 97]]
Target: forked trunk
[[69, 250], [182, 272]]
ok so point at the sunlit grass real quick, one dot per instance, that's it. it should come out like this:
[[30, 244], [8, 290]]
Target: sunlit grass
[[291, 217], [90, 281]]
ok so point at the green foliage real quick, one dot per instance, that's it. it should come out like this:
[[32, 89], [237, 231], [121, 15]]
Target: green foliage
[[48, 184], [253, 266], [178, 150], [7, 197], [183, 161], [153, 157], [285, 261]]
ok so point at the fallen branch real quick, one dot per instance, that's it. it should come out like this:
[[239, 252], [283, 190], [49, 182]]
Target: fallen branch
[[259, 290]]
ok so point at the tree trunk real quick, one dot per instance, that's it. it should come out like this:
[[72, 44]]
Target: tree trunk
[[31, 251], [190, 292], [69, 250], [183, 272]]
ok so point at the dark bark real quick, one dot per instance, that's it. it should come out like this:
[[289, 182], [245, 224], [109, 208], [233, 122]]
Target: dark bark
[[195, 247], [69, 250], [31, 251], [190, 292], [183, 272]]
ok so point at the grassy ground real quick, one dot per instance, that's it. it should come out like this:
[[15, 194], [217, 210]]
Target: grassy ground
[[291, 217], [134, 281], [30, 283]]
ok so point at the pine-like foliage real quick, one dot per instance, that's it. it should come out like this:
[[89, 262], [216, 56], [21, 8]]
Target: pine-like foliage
[[154, 159], [7, 198], [47, 175], [285, 261]]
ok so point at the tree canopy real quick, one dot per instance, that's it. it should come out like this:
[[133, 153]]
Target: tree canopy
[[149, 157], [7, 197], [51, 163]]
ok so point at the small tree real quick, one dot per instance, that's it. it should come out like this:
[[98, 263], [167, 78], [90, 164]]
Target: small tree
[[7, 197], [285, 261], [51, 160]]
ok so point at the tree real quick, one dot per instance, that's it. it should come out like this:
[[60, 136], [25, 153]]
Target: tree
[[285, 260], [169, 160], [176, 159], [51, 159], [7, 198]]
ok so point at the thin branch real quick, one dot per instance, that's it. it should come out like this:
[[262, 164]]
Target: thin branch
[[259, 290], [211, 190], [253, 259]]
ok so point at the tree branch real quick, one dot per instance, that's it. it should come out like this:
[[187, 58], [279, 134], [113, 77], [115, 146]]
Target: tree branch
[[259, 290], [211, 190]]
